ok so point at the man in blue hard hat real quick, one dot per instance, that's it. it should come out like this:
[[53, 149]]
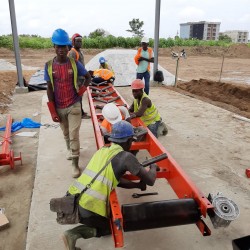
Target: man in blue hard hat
[[64, 94], [94, 205], [104, 64]]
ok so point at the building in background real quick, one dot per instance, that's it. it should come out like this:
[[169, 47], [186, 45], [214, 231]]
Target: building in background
[[200, 30], [237, 36]]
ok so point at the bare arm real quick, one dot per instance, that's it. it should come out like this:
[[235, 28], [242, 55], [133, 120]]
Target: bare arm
[[146, 103], [50, 93], [87, 79], [124, 183], [148, 177]]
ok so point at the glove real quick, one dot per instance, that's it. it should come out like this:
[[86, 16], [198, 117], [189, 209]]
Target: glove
[[82, 89], [52, 110]]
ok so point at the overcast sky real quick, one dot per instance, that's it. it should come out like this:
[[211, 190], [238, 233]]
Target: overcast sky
[[42, 17]]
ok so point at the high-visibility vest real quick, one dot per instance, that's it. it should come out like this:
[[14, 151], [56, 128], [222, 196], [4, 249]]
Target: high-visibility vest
[[73, 64], [96, 198], [103, 73], [151, 115], [77, 53], [138, 55]]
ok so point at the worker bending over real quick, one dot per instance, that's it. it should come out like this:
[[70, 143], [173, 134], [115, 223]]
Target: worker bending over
[[94, 207], [102, 75]]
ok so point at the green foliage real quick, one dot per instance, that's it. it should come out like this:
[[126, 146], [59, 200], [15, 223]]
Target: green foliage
[[100, 42], [136, 26], [225, 38], [97, 33]]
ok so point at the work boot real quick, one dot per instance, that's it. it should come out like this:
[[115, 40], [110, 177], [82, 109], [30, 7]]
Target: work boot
[[71, 236], [76, 172], [68, 156], [162, 129]]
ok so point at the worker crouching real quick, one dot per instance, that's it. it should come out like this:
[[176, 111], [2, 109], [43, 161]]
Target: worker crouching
[[106, 168]]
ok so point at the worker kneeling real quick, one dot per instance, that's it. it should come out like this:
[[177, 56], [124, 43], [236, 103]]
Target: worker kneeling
[[144, 108], [106, 168]]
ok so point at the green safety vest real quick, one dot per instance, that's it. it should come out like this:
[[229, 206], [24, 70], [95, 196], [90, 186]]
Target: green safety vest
[[96, 198], [73, 64], [151, 115]]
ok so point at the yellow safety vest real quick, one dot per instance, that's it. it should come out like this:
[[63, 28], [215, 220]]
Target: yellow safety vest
[[151, 115], [73, 64], [96, 198]]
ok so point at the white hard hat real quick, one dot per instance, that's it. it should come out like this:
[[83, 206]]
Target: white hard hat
[[111, 113], [144, 40]]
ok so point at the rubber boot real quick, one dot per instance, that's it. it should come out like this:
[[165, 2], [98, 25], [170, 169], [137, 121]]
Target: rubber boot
[[68, 157], [76, 172], [71, 236]]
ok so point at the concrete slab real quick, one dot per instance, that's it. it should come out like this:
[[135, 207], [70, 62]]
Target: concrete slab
[[122, 62], [191, 141]]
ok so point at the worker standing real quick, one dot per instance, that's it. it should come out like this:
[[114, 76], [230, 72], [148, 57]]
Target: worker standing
[[77, 54], [94, 207], [144, 108], [143, 58], [64, 94]]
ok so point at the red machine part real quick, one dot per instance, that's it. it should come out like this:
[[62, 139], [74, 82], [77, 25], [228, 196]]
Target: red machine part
[[7, 155], [169, 168], [248, 173]]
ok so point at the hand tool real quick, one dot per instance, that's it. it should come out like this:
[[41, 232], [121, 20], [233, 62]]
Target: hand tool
[[135, 195]]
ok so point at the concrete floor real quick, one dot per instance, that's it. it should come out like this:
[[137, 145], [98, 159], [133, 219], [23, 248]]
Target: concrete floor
[[53, 176]]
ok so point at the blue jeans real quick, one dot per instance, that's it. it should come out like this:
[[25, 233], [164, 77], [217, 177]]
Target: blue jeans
[[154, 127], [146, 77]]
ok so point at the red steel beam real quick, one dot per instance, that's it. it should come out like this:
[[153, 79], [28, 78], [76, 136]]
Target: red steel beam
[[169, 169]]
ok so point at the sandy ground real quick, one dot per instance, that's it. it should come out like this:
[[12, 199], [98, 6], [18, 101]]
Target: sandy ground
[[210, 145]]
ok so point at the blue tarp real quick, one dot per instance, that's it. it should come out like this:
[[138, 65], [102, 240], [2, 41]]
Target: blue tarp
[[25, 123]]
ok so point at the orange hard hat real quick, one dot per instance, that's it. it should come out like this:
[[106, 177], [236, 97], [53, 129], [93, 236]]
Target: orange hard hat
[[138, 84]]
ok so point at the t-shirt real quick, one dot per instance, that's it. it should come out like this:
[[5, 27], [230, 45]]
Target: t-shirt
[[143, 65]]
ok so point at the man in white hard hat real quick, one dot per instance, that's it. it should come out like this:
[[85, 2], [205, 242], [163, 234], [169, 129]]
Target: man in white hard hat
[[112, 114], [143, 58]]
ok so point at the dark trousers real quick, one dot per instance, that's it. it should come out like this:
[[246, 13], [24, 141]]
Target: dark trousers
[[146, 76], [90, 219]]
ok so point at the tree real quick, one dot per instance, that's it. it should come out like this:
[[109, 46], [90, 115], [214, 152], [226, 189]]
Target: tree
[[97, 33], [136, 26], [225, 38]]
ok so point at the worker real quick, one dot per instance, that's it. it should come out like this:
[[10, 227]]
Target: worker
[[77, 54], [64, 94], [113, 114], [102, 75], [104, 64], [143, 58], [94, 207], [144, 108]]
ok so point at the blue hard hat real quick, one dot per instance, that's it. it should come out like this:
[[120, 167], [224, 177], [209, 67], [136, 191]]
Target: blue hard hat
[[60, 37], [102, 60], [121, 132]]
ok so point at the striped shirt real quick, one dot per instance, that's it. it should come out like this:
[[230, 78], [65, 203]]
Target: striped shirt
[[64, 91]]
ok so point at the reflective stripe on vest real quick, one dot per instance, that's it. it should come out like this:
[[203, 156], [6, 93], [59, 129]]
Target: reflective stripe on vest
[[151, 115], [96, 198], [73, 64]]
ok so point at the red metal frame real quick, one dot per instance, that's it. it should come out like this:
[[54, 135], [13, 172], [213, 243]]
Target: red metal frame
[[7, 155], [169, 168]]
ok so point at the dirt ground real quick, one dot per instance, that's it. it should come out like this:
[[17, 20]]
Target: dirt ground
[[198, 78]]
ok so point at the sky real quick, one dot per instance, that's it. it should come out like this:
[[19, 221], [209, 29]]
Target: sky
[[84, 16]]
